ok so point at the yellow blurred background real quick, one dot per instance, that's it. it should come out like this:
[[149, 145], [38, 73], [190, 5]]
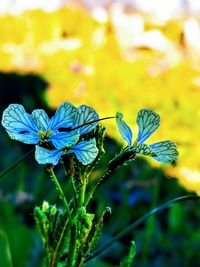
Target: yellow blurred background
[[116, 59]]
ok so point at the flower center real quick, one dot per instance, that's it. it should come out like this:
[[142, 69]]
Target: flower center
[[45, 135], [66, 149]]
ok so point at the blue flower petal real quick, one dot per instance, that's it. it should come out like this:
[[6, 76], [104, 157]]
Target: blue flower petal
[[85, 151], [148, 121], [63, 118], [86, 115], [27, 138], [19, 124], [41, 119], [64, 139], [166, 151], [124, 129], [46, 156]]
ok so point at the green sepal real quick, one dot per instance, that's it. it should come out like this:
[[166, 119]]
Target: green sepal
[[145, 150], [125, 155], [68, 163]]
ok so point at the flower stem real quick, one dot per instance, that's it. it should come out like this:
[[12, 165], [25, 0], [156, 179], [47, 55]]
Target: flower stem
[[4, 172], [62, 236], [74, 191], [61, 193], [72, 249], [73, 239], [82, 195], [82, 191]]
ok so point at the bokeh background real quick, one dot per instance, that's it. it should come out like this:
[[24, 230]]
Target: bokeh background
[[113, 56]]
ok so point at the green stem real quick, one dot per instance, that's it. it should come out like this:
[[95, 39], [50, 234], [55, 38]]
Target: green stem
[[72, 250], [54, 258], [74, 191], [82, 195], [61, 194], [70, 175], [83, 181], [130, 227]]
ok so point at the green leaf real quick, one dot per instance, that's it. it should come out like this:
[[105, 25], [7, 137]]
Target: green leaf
[[5, 254], [16, 234], [128, 261]]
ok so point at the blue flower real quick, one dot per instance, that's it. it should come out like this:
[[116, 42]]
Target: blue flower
[[148, 121], [37, 128], [60, 134], [85, 151]]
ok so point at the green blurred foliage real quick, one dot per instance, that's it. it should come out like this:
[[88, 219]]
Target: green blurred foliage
[[5, 254], [19, 245]]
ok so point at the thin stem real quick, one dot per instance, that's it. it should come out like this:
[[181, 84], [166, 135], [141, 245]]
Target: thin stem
[[5, 171], [90, 122], [61, 193], [83, 180], [74, 191], [130, 227], [54, 258], [70, 176]]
